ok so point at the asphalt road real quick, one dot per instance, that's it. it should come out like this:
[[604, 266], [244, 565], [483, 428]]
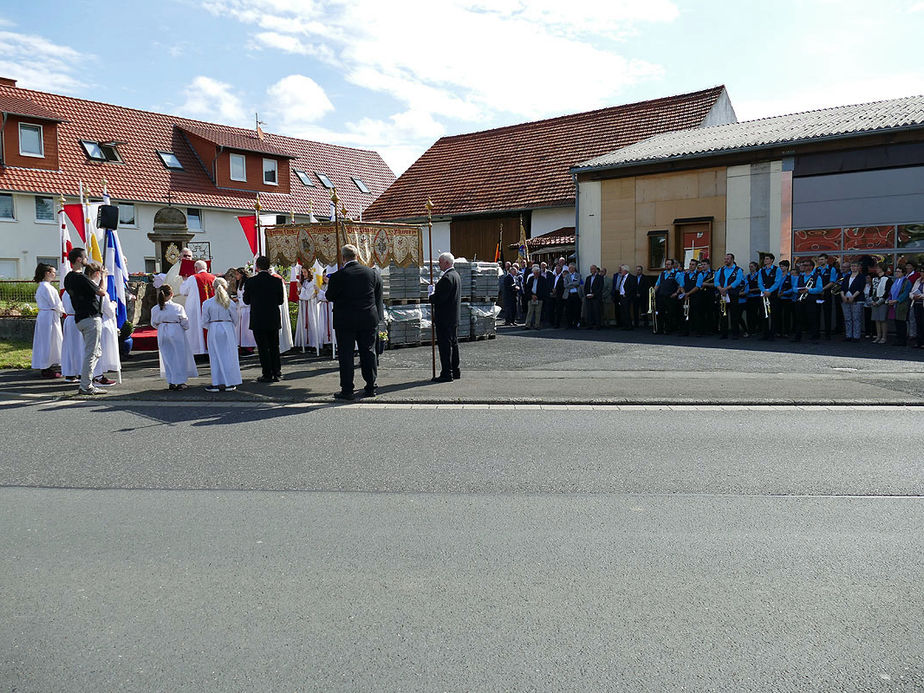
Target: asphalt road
[[244, 547]]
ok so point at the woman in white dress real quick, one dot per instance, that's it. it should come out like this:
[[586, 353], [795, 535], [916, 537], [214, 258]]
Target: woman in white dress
[[72, 346], [46, 343], [220, 318], [177, 364], [245, 338]]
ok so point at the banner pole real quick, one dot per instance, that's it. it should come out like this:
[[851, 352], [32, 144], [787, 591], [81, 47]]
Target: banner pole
[[430, 255]]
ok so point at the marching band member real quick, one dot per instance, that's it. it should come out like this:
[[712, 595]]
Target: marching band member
[[830, 278], [769, 281], [728, 281], [853, 285], [665, 294], [753, 308], [807, 288], [787, 296], [707, 296], [686, 297]]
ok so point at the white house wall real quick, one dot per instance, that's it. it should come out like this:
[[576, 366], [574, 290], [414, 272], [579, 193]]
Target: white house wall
[[589, 237], [25, 240], [550, 219]]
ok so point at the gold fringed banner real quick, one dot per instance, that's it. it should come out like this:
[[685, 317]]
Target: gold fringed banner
[[378, 244]]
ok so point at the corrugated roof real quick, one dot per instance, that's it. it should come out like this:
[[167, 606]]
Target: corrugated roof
[[526, 166], [143, 178], [827, 123], [17, 105]]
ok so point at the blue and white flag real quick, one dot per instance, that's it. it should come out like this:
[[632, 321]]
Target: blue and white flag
[[116, 276]]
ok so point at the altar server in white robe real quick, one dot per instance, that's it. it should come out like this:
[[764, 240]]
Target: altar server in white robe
[[109, 360], [177, 364], [72, 344], [46, 342], [220, 318], [245, 338], [326, 312], [285, 330], [306, 328]]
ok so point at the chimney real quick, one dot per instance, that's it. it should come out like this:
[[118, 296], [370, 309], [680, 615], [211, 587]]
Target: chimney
[[7, 82]]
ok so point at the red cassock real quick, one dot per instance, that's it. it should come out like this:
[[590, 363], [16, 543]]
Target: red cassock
[[204, 282]]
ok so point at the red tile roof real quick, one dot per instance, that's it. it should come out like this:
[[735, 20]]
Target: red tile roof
[[143, 177], [526, 166], [562, 236], [234, 138], [16, 105]]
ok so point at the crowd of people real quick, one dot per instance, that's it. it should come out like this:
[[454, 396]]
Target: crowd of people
[[769, 301]]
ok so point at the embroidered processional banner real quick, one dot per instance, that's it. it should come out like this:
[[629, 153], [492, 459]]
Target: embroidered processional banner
[[378, 244]]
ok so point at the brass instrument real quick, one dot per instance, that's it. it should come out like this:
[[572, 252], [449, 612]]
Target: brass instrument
[[810, 284], [766, 300], [722, 307], [686, 308], [653, 309]]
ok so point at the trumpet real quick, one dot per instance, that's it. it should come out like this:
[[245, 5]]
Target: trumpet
[[686, 308], [810, 284], [766, 300]]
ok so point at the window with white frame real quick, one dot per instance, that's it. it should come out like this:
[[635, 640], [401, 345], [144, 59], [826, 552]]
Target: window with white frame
[[101, 151], [44, 208], [271, 172], [359, 184], [31, 142], [325, 181], [151, 265], [126, 214], [194, 219], [9, 268], [6, 206], [303, 177], [238, 167], [48, 260]]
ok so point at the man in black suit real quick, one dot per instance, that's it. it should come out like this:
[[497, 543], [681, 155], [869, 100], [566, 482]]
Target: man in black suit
[[356, 292], [264, 293], [446, 304], [625, 286], [639, 299], [593, 298]]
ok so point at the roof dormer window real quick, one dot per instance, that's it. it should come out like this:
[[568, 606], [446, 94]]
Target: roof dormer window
[[169, 160], [325, 181], [31, 141], [304, 178], [101, 151], [359, 184]]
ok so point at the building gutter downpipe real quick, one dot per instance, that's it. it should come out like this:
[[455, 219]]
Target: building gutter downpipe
[[577, 221], [3, 140]]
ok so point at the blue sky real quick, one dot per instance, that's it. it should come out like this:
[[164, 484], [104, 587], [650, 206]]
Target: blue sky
[[395, 75]]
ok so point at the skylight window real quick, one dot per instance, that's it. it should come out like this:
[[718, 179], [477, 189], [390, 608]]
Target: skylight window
[[304, 178], [101, 151], [359, 184], [169, 160], [325, 181]]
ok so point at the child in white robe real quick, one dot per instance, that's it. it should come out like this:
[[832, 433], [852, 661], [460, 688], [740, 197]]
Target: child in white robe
[[220, 318], [109, 360], [46, 342], [72, 345], [245, 338], [177, 364]]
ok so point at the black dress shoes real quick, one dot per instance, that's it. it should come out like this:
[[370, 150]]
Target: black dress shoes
[[441, 379], [264, 379], [456, 375], [370, 391], [347, 396]]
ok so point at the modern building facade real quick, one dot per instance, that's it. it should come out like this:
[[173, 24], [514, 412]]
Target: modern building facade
[[846, 181]]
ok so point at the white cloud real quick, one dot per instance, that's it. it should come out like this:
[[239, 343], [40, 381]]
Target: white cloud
[[37, 63], [296, 102], [209, 99], [917, 7]]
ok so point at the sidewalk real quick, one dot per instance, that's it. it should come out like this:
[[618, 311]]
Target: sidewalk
[[563, 367]]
